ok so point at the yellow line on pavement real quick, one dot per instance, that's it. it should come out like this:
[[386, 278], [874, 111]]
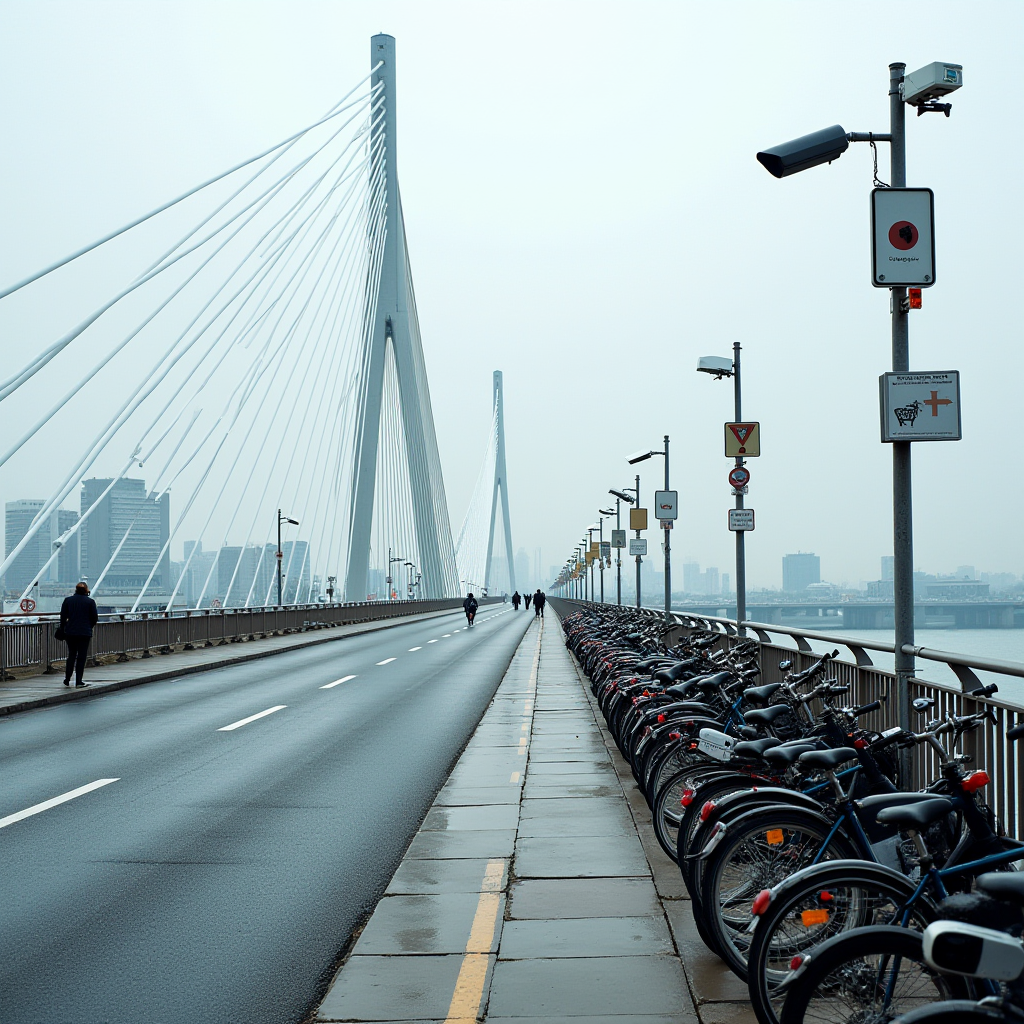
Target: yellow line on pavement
[[469, 988]]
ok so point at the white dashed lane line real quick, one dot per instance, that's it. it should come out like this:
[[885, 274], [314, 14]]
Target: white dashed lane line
[[445, 636], [251, 718], [411, 649], [54, 802], [386, 661], [337, 682], [431, 641]]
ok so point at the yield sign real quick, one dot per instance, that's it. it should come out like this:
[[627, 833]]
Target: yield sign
[[742, 440]]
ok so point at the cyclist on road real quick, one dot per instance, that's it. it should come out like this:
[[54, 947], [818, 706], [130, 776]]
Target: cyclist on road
[[470, 605], [538, 603]]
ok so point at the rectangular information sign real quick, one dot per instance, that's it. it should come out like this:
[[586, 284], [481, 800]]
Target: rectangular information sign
[[606, 549], [638, 545], [920, 406], [638, 519], [741, 519], [618, 538], [666, 504], [902, 237]]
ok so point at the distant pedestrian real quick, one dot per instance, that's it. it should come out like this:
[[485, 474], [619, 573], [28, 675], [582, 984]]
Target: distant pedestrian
[[538, 603], [517, 600], [528, 598], [470, 605], [77, 617]]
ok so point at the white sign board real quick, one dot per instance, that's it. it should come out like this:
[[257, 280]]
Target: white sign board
[[902, 237], [920, 406], [618, 538], [741, 519], [666, 504], [638, 545]]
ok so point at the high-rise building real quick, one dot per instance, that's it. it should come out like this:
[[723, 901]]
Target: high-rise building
[[887, 569], [692, 582], [711, 581], [125, 536], [522, 563], [799, 571], [725, 583], [19, 516]]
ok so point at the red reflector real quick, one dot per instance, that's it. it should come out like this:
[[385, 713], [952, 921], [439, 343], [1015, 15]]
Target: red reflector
[[674, 736], [975, 781], [661, 718], [795, 963], [914, 294], [825, 896], [860, 744], [705, 811], [761, 901], [687, 798], [647, 693]]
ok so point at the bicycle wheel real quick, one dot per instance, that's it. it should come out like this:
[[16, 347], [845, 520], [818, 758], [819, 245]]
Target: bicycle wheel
[[814, 905], [867, 976], [955, 1011], [761, 849]]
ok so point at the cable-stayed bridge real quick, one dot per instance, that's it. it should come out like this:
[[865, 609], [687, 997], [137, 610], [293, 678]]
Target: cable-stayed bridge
[[263, 364]]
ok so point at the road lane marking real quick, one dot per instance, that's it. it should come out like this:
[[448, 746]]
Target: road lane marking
[[515, 778], [431, 641], [251, 718], [386, 661], [411, 649], [54, 801], [337, 682], [445, 636], [469, 988]]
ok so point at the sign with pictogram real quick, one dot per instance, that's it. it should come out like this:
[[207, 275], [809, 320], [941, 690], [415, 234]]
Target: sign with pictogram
[[742, 440], [739, 476], [741, 519], [595, 548], [606, 549], [666, 504], [618, 538], [27, 604], [638, 519], [920, 406], [638, 545], [902, 237]]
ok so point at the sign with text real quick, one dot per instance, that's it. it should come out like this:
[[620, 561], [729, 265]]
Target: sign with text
[[741, 519], [920, 406], [606, 549], [618, 538], [902, 237], [595, 548], [638, 545], [742, 440], [666, 504], [638, 519]]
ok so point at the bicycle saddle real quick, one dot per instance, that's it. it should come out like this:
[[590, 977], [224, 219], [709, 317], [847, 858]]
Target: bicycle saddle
[[1003, 885], [765, 716], [680, 689], [712, 682], [827, 758], [915, 816], [673, 672], [878, 801], [755, 748], [785, 755], [761, 694]]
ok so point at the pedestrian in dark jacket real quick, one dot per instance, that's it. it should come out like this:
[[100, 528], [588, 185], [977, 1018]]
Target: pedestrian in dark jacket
[[528, 598], [77, 617], [538, 603], [517, 600], [470, 605]]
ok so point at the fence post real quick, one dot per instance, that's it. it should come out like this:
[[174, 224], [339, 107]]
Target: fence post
[[44, 648], [3, 654], [145, 635], [189, 646]]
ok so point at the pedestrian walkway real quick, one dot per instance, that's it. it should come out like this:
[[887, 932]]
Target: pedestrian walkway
[[40, 690], [531, 893]]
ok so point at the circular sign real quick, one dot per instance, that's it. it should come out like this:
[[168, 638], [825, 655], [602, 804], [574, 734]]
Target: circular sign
[[739, 477], [27, 604], [903, 235]]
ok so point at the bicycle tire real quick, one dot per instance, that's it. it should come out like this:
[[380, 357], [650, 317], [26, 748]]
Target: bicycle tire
[[761, 849], [854, 972], [769, 955], [955, 1011]]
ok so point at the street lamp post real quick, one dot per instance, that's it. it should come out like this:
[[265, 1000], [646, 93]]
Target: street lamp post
[[620, 497], [280, 553], [667, 529], [389, 578], [638, 557]]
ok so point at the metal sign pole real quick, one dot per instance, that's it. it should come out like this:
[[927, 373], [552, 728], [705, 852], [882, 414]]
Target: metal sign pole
[[902, 509], [741, 557], [600, 551], [618, 555], [668, 549], [638, 559]]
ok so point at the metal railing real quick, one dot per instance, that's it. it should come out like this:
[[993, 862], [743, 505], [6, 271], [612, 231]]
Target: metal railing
[[988, 746], [31, 644]]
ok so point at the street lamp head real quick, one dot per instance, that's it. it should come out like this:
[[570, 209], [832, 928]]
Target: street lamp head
[[622, 497], [638, 457], [593, 526], [720, 366], [808, 151], [606, 511]]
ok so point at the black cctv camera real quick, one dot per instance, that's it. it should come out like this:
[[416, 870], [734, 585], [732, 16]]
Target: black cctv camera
[[808, 151]]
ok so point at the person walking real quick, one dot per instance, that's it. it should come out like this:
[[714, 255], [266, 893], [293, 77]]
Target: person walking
[[517, 600], [528, 598], [470, 605], [77, 617], [538, 603]]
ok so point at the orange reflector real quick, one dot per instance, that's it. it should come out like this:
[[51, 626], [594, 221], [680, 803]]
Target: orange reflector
[[774, 836], [810, 917], [761, 901], [975, 781], [914, 294]]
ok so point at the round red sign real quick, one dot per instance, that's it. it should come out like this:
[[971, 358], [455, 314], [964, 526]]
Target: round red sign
[[27, 604], [739, 477], [903, 235]]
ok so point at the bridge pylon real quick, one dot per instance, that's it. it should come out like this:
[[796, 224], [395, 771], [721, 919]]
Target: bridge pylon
[[390, 319], [500, 488]]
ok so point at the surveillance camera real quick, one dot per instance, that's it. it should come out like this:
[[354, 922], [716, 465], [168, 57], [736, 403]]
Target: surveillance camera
[[718, 365], [808, 151], [931, 81], [629, 499]]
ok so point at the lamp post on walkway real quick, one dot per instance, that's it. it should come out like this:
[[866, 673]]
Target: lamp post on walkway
[[667, 547], [605, 513], [389, 578], [723, 367], [590, 548], [280, 553], [620, 497]]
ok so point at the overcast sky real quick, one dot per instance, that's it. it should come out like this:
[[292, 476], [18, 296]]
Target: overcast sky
[[585, 213]]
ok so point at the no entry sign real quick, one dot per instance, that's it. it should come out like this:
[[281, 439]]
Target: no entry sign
[[739, 476], [902, 237]]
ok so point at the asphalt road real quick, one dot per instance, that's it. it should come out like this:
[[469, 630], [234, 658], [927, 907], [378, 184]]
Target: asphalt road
[[218, 878]]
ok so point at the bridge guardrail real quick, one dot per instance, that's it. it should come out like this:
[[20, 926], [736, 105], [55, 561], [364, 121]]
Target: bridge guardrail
[[988, 746], [31, 644]]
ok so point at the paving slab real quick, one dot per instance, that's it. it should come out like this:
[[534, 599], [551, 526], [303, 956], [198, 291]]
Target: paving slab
[[464, 845], [471, 819], [465, 796], [603, 857], [585, 937], [583, 897], [422, 925], [429, 877]]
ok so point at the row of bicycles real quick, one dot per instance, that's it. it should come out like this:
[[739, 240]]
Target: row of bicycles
[[834, 892]]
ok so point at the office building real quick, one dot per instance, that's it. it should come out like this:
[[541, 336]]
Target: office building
[[692, 582], [887, 569], [799, 571], [18, 519]]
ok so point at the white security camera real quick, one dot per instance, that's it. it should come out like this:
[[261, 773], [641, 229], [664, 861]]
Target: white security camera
[[932, 81], [718, 365]]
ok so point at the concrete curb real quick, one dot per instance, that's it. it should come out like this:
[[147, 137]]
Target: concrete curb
[[186, 670]]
